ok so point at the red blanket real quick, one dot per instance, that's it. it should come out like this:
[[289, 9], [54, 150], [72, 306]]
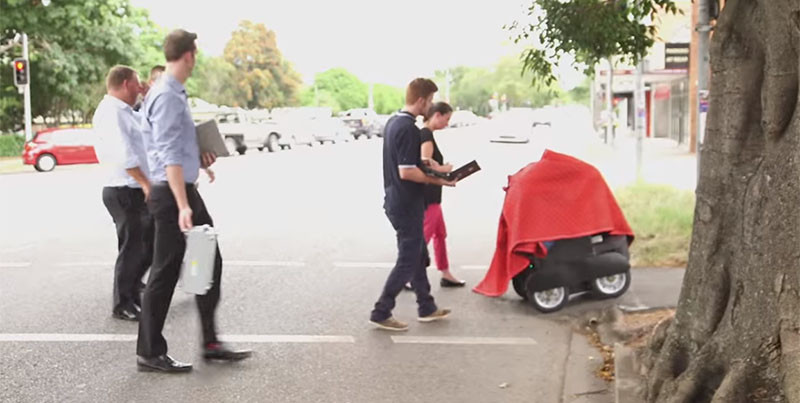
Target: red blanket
[[555, 198]]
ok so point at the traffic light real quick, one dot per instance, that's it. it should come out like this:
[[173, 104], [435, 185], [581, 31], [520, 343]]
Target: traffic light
[[21, 73]]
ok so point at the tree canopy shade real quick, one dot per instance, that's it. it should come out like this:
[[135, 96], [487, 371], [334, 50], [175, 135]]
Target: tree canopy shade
[[72, 45], [589, 30]]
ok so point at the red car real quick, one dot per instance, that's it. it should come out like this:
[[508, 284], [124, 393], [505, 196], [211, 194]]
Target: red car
[[53, 147]]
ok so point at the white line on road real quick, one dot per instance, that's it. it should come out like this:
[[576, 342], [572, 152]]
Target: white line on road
[[262, 263], [15, 249], [278, 338], [238, 338], [270, 263], [109, 263], [363, 265], [497, 341], [388, 265], [236, 263], [61, 337], [19, 265]]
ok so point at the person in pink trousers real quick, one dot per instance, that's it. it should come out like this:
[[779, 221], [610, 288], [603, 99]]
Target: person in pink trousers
[[437, 118]]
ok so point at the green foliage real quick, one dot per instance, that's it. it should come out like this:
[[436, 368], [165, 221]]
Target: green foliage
[[580, 94], [661, 217], [343, 87], [213, 80], [590, 30], [341, 90], [387, 99], [72, 45], [11, 145], [262, 78], [472, 87]]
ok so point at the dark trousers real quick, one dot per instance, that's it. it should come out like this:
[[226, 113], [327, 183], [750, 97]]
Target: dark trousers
[[170, 245], [134, 242], [412, 259]]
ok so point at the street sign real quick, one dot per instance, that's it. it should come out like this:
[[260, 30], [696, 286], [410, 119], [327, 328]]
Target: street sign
[[676, 56]]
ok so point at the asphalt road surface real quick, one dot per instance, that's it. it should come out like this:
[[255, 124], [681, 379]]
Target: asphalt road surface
[[307, 249]]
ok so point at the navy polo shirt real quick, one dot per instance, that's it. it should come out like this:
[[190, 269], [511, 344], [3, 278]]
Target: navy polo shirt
[[401, 149]]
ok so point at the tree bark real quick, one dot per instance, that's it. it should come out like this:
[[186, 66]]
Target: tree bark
[[735, 336]]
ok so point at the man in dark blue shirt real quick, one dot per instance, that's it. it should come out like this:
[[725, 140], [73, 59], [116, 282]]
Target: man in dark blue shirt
[[404, 203]]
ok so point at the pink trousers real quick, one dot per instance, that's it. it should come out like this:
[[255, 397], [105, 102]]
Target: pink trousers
[[434, 229]]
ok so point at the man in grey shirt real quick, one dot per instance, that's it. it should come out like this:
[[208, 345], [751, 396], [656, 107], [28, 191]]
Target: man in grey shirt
[[175, 161]]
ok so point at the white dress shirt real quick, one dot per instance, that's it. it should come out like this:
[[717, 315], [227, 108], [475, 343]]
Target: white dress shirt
[[119, 144]]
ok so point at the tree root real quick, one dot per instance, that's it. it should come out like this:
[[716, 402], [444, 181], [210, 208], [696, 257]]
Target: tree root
[[697, 382], [790, 364], [733, 388]]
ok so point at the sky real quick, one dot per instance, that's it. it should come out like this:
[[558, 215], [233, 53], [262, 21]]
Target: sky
[[377, 40]]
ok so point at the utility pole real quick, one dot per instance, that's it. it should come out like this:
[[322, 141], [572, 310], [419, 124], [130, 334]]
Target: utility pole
[[639, 118], [609, 101], [703, 29]]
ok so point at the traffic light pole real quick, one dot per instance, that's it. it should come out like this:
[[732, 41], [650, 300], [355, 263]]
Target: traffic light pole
[[27, 91]]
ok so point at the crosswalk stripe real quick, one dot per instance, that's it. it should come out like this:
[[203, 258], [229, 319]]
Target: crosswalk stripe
[[112, 337], [511, 341], [262, 263], [15, 265]]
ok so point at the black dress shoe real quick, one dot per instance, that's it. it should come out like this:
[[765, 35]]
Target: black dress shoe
[[162, 363], [219, 351], [130, 314], [447, 283]]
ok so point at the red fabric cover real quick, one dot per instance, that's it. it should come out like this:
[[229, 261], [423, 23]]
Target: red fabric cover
[[557, 197]]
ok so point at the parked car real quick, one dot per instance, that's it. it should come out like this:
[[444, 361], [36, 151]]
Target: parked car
[[242, 132], [463, 118], [331, 130], [364, 122], [298, 123], [53, 147]]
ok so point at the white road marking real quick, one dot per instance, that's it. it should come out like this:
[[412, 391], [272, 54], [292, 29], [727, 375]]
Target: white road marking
[[495, 341], [87, 264], [17, 265], [63, 337], [16, 249], [236, 263], [363, 265], [110, 337], [262, 263], [370, 265], [289, 338]]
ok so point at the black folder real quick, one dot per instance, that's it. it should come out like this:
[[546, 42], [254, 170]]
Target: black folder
[[456, 175]]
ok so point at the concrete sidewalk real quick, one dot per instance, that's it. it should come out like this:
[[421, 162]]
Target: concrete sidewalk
[[650, 289]]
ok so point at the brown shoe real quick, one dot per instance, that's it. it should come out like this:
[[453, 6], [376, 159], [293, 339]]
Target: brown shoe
[[439, 314], [391, 324]]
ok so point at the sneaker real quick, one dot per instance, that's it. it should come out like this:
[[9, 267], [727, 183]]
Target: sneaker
[[439, 314], [391, 324]]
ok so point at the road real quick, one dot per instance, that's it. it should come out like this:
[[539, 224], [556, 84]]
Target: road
[[306, 249]]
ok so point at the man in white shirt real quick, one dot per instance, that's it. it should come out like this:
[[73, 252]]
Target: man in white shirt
[[120, 149]]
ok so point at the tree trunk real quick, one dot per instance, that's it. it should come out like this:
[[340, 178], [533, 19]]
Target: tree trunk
[[735, 336]]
